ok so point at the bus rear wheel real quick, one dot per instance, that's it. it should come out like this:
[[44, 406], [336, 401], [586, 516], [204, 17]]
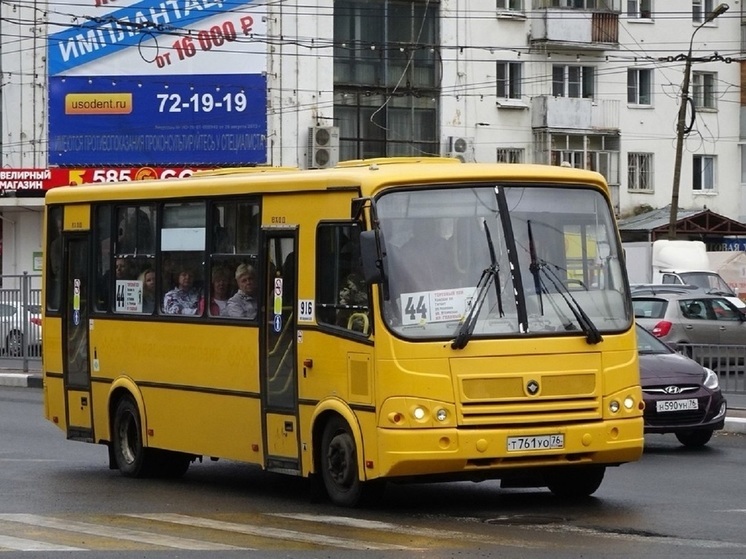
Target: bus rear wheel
[[575, 482], [339, 469], [132, 457]]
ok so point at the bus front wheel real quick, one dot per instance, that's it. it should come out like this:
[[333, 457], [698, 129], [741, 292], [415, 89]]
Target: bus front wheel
[[575, 482], [132, 457], [339, 464]]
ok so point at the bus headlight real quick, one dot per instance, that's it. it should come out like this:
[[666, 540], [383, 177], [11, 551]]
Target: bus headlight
[[407, 413], [614, 406], [629, 402]]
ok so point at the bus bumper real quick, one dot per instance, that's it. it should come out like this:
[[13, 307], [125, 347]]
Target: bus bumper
[[415, 452]]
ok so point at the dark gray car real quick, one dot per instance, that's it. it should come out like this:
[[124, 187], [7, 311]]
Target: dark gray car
[[681, 396]]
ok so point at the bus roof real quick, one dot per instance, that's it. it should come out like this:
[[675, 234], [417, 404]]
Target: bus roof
[[367, 176]]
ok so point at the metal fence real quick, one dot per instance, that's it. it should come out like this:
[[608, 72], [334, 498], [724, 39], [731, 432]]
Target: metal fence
[[20, 319], [728, 361]]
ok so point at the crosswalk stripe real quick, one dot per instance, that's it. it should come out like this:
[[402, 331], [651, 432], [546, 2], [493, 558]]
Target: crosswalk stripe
[[268, 532], [398, 528], [139, 536], [21, 544]]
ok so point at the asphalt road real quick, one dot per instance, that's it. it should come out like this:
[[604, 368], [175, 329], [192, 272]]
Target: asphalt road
[[57, 494]]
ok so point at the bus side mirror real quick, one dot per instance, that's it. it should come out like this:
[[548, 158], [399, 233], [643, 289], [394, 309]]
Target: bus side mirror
[[371, 254]]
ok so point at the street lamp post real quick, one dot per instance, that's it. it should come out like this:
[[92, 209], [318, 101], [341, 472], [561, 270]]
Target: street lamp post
[[681, 122]]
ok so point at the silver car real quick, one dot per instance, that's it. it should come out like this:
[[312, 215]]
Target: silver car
[[20, 325], [707, 328]]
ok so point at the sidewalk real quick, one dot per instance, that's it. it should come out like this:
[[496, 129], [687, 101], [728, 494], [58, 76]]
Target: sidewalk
[[735, 420]]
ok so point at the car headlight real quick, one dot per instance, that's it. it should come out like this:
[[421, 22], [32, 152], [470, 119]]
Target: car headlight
[[711, 379]]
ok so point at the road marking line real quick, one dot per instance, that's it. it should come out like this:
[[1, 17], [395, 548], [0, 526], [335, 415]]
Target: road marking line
[[21, 544], [267, 532], [138, 536], [400, 529]]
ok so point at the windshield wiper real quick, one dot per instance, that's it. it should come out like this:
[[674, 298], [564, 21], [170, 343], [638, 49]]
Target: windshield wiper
[[534, 267], [537, 267], [592, 334], [490, 275]]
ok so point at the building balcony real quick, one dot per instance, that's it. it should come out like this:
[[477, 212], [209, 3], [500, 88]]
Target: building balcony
[[575, 29], [573, 114]]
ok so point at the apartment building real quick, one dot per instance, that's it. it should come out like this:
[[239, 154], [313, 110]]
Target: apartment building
[[109, 90]]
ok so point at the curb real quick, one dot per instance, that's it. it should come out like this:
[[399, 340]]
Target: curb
[[34, 380], [735, 425], [24, 380]]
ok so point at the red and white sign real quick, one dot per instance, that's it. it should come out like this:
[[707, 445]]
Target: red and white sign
[[34, 182]]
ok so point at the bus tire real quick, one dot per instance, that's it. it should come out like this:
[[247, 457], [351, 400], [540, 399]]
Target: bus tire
[[575, 482], [132, 458], [339, 470]]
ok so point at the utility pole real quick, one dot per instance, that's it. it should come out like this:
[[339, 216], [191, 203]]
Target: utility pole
[[681, 130]]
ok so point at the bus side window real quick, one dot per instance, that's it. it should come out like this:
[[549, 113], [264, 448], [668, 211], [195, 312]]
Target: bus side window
[[134, 253], [102, 257], [54, 260], [342, 294], [182, 257], [234, 240]]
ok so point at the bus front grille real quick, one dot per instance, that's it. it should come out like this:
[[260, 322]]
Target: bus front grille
[[528, 412]]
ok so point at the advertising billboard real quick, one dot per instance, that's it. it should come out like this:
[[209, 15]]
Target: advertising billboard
[[164, 83]]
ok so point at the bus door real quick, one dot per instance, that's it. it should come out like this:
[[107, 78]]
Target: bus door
[[76, 365], [279, 364]]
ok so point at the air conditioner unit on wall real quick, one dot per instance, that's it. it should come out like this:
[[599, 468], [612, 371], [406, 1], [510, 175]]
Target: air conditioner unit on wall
[[323, 147], [460, 148]]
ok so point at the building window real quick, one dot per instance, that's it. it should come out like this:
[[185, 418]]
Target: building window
[[640, 9], [595, 152], [703, 89], [386, 77], [509, 155], [510, 5], [703, 178], [639, 87], [640, 171], [509, 80], [700, 9], [573, 81]]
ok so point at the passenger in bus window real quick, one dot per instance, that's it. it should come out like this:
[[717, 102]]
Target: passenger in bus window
[[147, 279], [221, 285], [122, 269], [184, 298], [243, 304], [353, 298]]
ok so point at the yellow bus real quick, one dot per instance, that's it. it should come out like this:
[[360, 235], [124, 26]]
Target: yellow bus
[[385, 320]]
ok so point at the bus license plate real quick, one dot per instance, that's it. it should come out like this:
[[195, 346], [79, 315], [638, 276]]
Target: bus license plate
[[676, 405], [538, 442]]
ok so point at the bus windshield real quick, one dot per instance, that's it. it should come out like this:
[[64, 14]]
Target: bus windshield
[[501, 260]]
